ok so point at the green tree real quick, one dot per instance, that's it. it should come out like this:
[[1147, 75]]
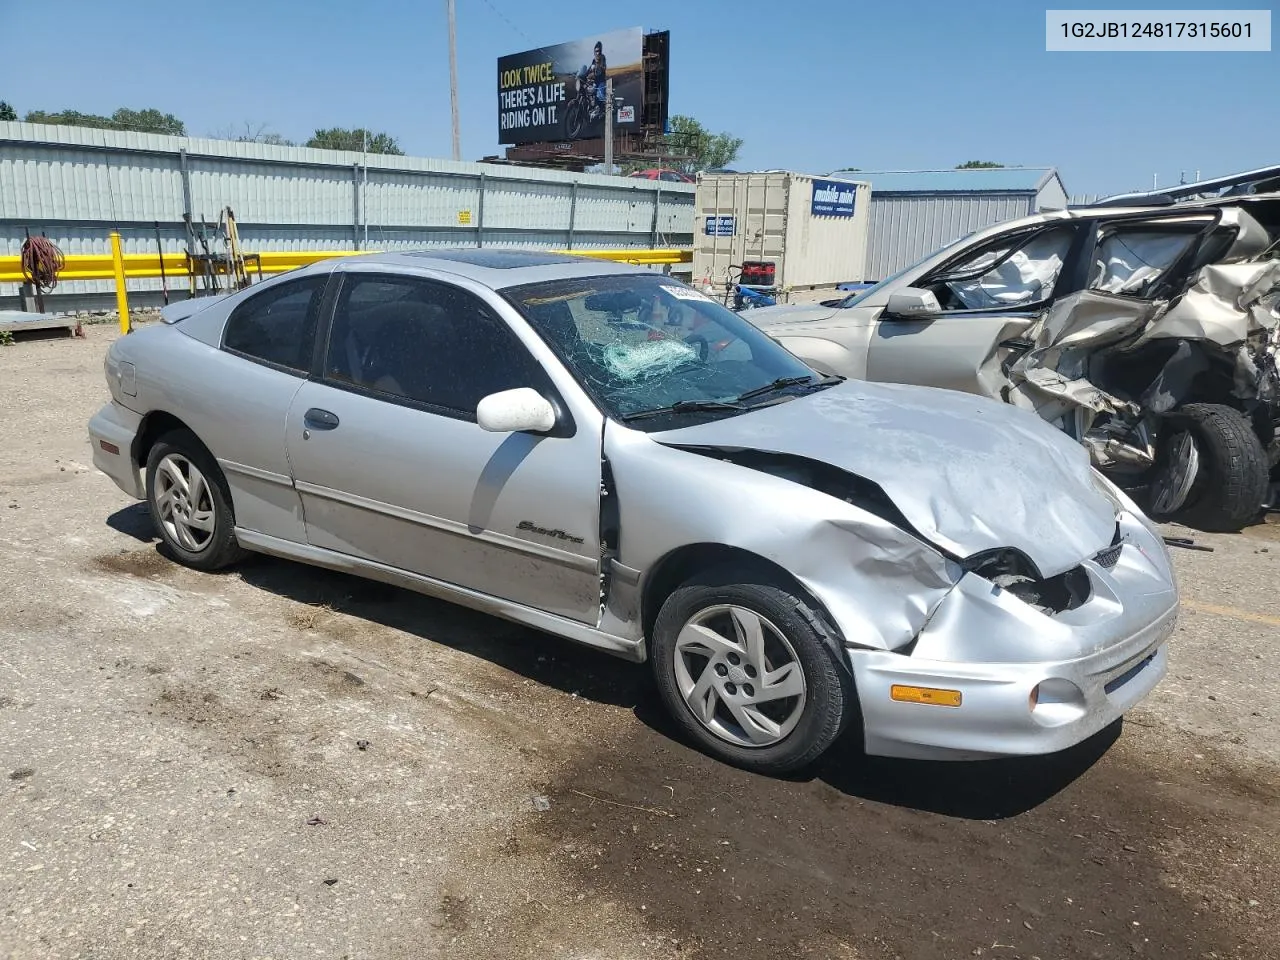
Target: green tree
[[693, 147], [145, 121], [979, 165], [357, 140], [7, 112]]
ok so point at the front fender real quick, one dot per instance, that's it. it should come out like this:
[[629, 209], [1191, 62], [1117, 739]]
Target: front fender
[[876, 583]]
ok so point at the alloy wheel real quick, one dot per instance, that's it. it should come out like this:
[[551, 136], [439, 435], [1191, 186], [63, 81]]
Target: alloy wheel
[[184, 503], [739, 676]]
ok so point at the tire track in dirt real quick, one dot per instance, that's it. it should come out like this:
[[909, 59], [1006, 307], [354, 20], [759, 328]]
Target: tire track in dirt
[[1086, 854]]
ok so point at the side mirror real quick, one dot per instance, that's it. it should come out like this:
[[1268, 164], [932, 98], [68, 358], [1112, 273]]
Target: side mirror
[[522, 410], [910, 303]]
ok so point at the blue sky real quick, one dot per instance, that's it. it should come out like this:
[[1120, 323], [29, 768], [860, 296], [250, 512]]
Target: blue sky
[[811, 85]]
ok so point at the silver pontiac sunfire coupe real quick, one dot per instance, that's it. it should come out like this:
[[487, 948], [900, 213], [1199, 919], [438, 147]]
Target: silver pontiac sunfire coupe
[[603, 453]]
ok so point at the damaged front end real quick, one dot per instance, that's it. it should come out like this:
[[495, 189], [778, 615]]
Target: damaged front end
[[1034, 665], [1036, 659]]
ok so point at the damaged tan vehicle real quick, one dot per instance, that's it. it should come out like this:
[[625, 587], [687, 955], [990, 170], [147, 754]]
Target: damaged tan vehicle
[[1146, 327]]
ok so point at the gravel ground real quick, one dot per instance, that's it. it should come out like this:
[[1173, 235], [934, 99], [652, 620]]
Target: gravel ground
[[284, 762]]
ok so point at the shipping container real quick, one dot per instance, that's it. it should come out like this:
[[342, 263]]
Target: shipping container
[[812, 231]]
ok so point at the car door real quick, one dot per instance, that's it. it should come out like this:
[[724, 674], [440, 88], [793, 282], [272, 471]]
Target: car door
[[392, 466], [237, 399], [990, 296]]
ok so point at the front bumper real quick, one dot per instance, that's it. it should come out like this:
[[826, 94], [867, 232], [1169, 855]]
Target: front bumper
[[1095, 663], [112, 431]]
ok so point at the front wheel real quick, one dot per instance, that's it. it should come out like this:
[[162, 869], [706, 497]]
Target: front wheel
[[1230, 479], [742, 667]]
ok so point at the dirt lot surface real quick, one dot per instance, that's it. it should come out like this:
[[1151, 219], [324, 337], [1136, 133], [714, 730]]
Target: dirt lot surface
[[284, 762]]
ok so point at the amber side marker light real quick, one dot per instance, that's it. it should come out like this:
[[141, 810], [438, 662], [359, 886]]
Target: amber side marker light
[[930, 695], [109, 447]]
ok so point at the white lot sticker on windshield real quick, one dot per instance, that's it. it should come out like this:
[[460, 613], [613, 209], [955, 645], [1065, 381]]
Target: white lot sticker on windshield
[[686, 293]]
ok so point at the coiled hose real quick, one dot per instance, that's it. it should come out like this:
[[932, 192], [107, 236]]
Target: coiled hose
[[42, 261]]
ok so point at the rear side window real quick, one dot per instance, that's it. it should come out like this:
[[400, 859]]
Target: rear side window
[[1132, 261], [278, 326]]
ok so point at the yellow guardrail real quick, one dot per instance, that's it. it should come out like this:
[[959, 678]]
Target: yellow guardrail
[[120, 267], [101, 266]]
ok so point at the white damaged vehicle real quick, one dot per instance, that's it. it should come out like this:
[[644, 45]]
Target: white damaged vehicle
[[602, 453], [1146, 328]]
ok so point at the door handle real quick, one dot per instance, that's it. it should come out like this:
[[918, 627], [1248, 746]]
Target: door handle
[[318, 419]]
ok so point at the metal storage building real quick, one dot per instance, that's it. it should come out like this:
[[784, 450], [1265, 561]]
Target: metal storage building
[[915, 212], [77, 184]]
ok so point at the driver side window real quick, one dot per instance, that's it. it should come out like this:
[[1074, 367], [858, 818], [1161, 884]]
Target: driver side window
[[424, 342], [1008, 273]]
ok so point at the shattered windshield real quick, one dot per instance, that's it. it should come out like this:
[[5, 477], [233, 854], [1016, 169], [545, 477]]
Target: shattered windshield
[[644, 343]]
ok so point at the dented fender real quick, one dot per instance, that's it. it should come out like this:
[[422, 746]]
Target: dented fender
[[876, 582]]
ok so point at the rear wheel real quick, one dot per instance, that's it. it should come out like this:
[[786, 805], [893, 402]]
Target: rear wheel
[[744, 669], [189, 502], [1230, 475]]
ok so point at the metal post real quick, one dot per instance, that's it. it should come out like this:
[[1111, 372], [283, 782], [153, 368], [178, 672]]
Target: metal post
[[480, 213], [185, 172], [355, 204], [364, 163], [122, 297], [453, 77], [573, 211], [608, 126], [657, 205]]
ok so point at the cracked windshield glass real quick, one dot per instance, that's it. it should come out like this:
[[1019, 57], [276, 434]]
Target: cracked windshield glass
[[645, 346]]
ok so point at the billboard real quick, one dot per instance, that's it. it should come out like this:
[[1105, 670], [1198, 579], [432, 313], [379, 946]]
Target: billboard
[[557, 92]]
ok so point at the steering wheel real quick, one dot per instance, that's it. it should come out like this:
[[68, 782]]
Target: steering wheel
[[699, 343]]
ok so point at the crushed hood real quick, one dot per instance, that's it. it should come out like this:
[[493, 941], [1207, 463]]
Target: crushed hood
[[968, 473]]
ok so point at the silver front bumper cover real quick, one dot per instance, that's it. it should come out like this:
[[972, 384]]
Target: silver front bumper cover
[[995, 717], [1100, 660]]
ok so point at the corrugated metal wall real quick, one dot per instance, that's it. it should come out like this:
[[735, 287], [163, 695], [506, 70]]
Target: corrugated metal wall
[[76, 184], [907, 227]]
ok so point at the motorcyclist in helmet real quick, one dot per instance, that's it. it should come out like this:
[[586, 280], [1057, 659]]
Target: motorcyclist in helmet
[[596, 75]]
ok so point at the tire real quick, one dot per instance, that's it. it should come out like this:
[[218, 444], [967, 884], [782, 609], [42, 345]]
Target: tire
[[574, 120], [1231, 484], [781, 734], [194, 517]]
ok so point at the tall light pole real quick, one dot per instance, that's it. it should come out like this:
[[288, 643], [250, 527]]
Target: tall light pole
[[453, 77]]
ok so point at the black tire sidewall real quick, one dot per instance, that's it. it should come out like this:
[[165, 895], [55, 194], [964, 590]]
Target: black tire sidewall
[[830, 702], [1233, 485], [223, 548], [574, 120]]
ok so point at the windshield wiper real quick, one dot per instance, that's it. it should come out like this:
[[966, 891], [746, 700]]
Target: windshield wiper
[[685, 406], [783, 382]]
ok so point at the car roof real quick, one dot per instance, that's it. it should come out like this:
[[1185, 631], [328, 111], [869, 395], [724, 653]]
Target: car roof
[[494, 267]]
